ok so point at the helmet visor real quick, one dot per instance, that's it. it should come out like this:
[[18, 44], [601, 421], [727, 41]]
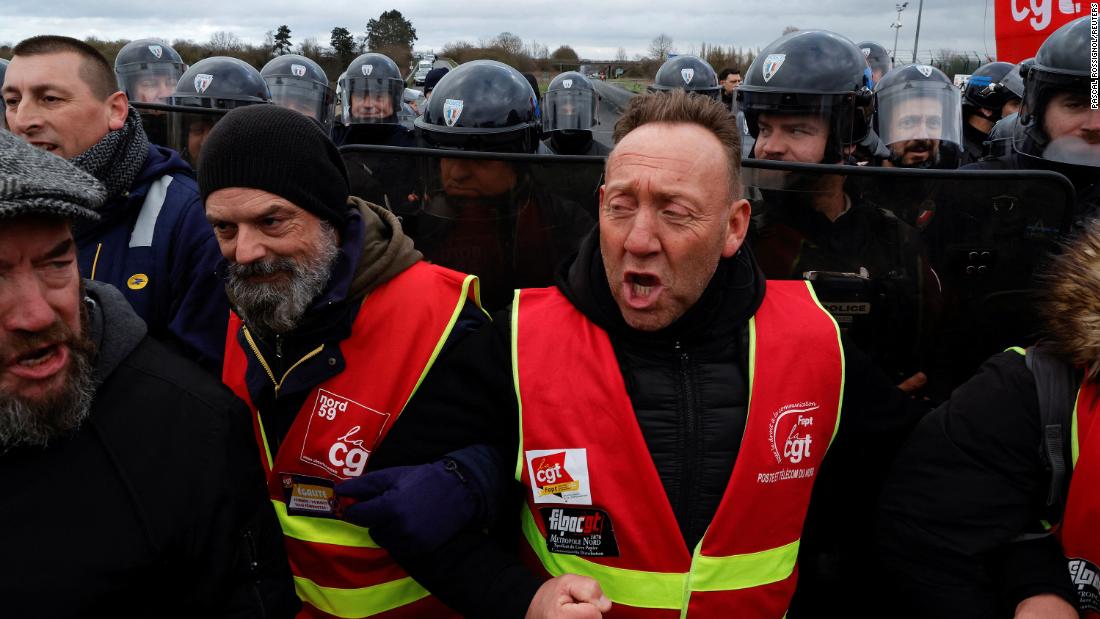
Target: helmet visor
[[149, 83], [309, 98], [568, 109], [1065, 130], [918, 114], [372, 101]]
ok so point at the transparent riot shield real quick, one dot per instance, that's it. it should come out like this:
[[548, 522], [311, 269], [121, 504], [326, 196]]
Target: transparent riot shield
[[509, 219], [184, 128], [925, 270]]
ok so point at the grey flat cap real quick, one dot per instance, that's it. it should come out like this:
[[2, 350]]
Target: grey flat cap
[[34, 182]]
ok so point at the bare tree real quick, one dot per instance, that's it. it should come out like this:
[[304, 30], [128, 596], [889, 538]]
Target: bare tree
[[225, 41], [620, 56], [660, 47], [510, 43], [789, 29]]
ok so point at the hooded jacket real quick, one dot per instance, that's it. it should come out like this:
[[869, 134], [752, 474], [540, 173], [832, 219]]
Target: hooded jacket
[[373, 250], [971, 480], [155, 506], [153, 243]]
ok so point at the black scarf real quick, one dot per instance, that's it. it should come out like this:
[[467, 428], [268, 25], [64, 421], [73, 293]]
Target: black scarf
[[117, 159]]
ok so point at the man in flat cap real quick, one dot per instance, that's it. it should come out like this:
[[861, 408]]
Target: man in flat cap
[[130, 483]]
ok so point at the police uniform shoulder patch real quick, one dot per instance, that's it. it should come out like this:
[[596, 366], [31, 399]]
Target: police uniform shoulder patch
[[771, 65], [452, 109]]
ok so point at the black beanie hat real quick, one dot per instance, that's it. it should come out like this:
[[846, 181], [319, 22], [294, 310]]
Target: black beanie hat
[[279, 151]]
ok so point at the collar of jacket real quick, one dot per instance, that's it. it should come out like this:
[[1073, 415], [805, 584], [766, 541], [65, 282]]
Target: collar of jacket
[[730, 299]]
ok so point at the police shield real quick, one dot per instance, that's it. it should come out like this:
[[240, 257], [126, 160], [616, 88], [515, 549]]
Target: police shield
[[925, 270], [510, 219], [184, 128]]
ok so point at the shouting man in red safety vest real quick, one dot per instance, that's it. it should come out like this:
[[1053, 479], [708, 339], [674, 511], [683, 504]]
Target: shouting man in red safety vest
[[666, 410], [337, 321]]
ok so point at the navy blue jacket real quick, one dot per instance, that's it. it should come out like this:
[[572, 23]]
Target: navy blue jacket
[[154, 244]]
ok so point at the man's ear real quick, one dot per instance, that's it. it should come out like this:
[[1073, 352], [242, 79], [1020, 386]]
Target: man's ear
[[118, 109], [738, 228]]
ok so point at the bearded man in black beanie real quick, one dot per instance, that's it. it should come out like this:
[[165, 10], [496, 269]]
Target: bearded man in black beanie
[[150, 240], [336, 322]]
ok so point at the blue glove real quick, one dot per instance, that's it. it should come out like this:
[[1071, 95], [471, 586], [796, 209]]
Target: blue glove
[[413, 510]]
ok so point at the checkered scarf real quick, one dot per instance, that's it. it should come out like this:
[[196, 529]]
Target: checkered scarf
[[117, 159]]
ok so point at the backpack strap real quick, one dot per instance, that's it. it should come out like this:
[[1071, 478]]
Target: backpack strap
[[1056, 384]]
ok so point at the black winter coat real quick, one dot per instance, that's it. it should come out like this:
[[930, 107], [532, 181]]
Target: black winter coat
[[155, 507], [687, 384]]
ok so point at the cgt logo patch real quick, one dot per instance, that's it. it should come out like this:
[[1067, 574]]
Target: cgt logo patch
[[341, 435], [790, 432], [559, 476], [1086, 580], [585, 532]]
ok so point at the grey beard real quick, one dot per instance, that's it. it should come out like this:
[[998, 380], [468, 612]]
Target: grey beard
[[278, 307], [35, 424]]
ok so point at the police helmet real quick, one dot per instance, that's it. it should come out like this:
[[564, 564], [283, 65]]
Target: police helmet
[[338, 106], [984, 88], [372, 91], [148, 70], [298, 83], [1014, 79], [918, 102], [1061, 66], [482, 105], [811, 72], [570, 104], [221, 83], [212, 86], [690, 73], [877, 58]]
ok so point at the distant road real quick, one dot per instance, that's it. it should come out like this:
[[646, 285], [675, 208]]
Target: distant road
[[612, 101]]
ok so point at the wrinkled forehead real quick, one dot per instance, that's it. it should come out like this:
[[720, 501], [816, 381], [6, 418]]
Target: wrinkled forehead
[[677, 153]]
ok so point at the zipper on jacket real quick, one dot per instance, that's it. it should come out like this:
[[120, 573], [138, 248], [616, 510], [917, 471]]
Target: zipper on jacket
[[278, 383], [689, 447]]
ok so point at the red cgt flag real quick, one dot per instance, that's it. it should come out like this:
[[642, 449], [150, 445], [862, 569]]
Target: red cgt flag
[[1023, 25]]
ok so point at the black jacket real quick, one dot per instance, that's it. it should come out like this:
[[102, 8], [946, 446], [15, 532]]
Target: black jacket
[[156, 506], [968, 482], [687, 384]]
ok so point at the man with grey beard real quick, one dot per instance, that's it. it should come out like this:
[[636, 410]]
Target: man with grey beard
[[337, 322], [131, 483]]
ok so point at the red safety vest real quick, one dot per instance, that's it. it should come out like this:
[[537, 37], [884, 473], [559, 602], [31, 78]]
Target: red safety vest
[[399, 330], [595, 504], [1080, 527]]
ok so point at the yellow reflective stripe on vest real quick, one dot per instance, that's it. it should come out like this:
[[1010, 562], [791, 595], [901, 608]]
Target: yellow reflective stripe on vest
[[323, 530], [669, 590], [630, 587], [515, 382], [362, 602], [1017, 349], [1074, 439], [843, 361], [471, 280]]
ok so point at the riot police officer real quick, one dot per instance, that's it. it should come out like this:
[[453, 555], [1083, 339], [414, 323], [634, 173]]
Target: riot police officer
[[495, 217], [372, 90], [1056, 129], [999, 141], [878, 59], [690, 73], [298, 83], [918, 116], [570, 109], [148, 71], [212, 86], [983, 104]]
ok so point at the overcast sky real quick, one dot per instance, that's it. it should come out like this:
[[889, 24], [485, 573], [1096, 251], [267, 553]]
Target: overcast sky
[[596, 29]]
